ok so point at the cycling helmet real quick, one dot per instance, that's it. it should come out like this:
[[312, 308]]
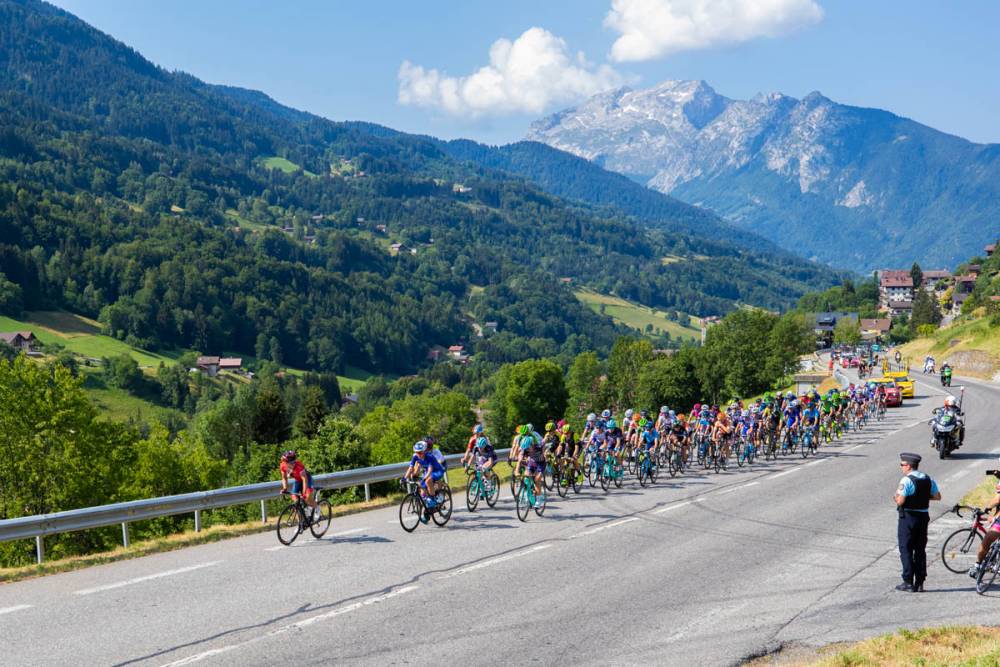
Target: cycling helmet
[[789, 395], [561, 423], [550, 426], [566, 428], [524, 430], [530, 427], [648, 425], [421, 446], [793, 404], [482, 443], [664, 409], [591, 417], [629, 413], [289, 456], [949, 402], [612, 423], [430, 440], [672, 413], [478, 428], [606, 414], [745, 413], [644, 414]]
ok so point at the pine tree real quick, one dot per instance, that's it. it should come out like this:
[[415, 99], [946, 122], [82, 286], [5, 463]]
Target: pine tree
[[312, 413]]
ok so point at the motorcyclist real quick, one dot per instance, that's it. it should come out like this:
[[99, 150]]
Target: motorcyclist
[[952, 408], [929, 364], [946, 374]]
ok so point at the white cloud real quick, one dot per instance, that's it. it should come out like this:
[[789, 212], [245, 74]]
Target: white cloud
[[529, 74], [655, 28]]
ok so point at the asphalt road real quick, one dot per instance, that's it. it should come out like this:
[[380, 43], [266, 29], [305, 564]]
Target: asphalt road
[[707, 569]]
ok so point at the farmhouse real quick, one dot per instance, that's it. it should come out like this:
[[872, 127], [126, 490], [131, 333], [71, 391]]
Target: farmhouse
[[22, 341]]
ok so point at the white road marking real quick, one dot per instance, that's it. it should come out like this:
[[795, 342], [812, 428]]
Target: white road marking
[[148, 577], [493, 561], [672, 507], [354, 606], [340, 534], [854, 447], [787, 472], [605, 527], [823, 460], [735, 488], [18, 607]]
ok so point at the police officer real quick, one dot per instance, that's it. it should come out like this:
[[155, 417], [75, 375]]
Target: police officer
[[913, 497]]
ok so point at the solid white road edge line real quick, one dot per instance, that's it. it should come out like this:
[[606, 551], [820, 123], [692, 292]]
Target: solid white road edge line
[[493, 561], [735, 488], [298, 624], [605, 527], [148, 577], [18, 607]]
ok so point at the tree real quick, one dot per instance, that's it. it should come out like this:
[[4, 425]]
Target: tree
[[312, 412], [791, 337], [271, 423], [918, 276], [582, 385], [847, 331], [122, 371], [734, 359], [391, 431], [670, 380], [11, 297], [531, 391], [901, 330], [628, 356], [925, 309]]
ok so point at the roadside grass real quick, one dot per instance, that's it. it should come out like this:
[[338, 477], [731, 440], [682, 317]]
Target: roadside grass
[[983, 493], [636, 316], [967, 336], [957, 645], [286, 166], [216, 533], [81, 336]]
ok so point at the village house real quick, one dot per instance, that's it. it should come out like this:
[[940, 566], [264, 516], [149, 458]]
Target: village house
[[990, 249], [874, 328], [231, 364], [208, 365], [897, 308], [936, 280], [22, 341], [894, 285]]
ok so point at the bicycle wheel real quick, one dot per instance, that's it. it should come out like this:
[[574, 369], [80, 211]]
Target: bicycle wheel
[[576, 480], [631, 461], [988, 572], [804, 446], [561, 482], [653, 471], [472, 490], [618, 474], [492, 482], [541, 503], [523, 503], [641, 470], [605, 476], [548, 476], [410, 509], [442, 513], [958, 553], [289, 524], [321, 519]]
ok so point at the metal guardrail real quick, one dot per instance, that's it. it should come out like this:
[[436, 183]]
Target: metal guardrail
[[41, 525]]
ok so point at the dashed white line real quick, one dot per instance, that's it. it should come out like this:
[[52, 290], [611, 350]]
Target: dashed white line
[[605, 527], [850, 449], [493, 561], [735, 488], [787, 472], [17, 607], [672, 507], [148, 577], [354, 606], [817, 461]]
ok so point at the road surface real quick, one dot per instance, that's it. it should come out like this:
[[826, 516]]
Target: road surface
[[706, 569]]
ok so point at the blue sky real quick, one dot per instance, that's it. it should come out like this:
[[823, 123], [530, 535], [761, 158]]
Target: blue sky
[[935, 62]]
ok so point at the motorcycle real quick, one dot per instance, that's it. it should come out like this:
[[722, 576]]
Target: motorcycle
[[946, 376], [944, 432]]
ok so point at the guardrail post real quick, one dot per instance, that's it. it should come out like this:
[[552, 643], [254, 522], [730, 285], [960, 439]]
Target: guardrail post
[[197, 521], [263, 512], [39, 549], [368, 492], [125, 534]]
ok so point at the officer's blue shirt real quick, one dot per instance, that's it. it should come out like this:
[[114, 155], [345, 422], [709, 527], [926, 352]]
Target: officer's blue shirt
[[908, 488]]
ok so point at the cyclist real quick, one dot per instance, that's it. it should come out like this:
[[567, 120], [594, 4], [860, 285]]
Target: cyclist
[[479, 443], [569, 446], [992, 535], [302, 481], [486, 456], [614, 439], [720, 432], [424, 463], [649, 439], [810, 418], [477, 432], [589, 426], [532, 456]]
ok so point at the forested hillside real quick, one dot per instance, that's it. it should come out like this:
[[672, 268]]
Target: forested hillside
[[146, 199]]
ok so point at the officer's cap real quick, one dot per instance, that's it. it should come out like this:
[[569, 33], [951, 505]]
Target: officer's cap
[[908, 457]]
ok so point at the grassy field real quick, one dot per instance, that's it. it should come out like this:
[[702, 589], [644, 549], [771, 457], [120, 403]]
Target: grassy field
[[984, 492], [281, 164], [635, 316], [970, 646], [243, 223], [976, 336], [80, 335], [119, 405]]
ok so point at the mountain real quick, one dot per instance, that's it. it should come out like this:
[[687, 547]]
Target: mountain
[[184, 214], [849, 186]]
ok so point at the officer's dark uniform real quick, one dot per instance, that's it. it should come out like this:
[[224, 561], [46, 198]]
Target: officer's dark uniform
[[914, 517]]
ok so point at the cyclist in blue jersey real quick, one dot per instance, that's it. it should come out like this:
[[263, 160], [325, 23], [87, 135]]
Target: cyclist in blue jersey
[[433, 471]]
